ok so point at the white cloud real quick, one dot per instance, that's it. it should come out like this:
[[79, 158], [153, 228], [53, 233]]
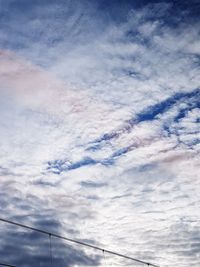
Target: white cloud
[[57, 104]]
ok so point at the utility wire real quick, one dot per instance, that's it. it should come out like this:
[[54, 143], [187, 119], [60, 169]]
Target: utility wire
[[8, 265], [77, 242]]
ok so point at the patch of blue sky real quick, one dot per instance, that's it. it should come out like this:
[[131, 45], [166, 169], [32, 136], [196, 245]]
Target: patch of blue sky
[[146, 167], [133, 74], [191, 99], [190, 143], [192, 104], [108, 161], [92, 184], [195, 142], [94, 147], [106, 137], [101, 141], [84, 162], [158, 109], [59, 166], [120, 152]]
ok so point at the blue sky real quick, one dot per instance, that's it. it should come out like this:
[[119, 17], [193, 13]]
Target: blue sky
[[100, 133]]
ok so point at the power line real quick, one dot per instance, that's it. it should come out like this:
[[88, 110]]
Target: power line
[[8, 265], [77, 242]]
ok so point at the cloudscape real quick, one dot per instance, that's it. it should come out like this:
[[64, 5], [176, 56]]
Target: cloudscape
[[100, 131]]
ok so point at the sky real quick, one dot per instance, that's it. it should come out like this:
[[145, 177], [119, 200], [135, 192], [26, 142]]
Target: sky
[[100, 131]]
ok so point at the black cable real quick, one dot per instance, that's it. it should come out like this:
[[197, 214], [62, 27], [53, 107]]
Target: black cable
[[8, 265], [78, 242]]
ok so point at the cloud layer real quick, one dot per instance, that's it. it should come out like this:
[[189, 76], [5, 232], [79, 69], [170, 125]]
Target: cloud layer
[[100, 131]]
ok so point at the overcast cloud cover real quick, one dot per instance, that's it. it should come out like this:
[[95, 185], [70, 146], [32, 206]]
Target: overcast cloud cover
[[100, 130]]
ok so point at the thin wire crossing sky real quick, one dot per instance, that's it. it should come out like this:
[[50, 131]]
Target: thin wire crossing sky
[[79, 242], [100, 131]]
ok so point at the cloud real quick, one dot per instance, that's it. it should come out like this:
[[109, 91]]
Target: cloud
[[100, 130]]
